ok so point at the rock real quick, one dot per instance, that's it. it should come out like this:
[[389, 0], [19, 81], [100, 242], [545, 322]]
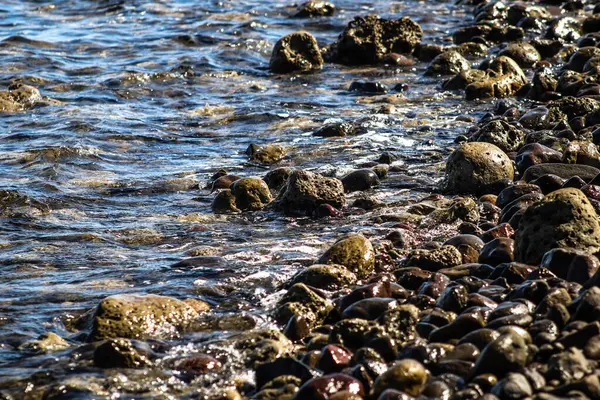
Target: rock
[[325, 387], [198, 365], [268, 154], [564, 171], [327, 277], [543, 83], [335, 130], [350, 333], [523, 53], [534, 154], [276, 178], [513, 386], [19, 98], [574, 107], [305, 191], [315, 9], [359, 180], [513, 192], [565, 28], [369, 309], [122, 353], [223, 182], [580, 57], [434, 260], [564, 218], [477, 167], [458, 328], [581, 152], [224, 203], [267, 372], [541, 117], [296, 52], [568, 366], [368, 87], [300, 300], [448, 63], [471, 49], [333, 359], [367, 40], [426, 51], [355, 252], [251, 194], [507, 353], [570, 264], [500, 133], [46, 342], [140, 317], [503, 78], [408, 376]]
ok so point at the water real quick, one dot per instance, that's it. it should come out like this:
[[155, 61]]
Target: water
[[156, 96]]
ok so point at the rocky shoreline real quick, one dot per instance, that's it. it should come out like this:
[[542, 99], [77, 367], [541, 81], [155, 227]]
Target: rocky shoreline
[[502, 303]]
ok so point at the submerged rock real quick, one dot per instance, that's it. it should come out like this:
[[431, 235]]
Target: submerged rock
[[19, 98], [46, 342], [268, 154], [450, 62], [305, 191], [122, 353], [251, 194], [315, 9], [140, 317], [361, 179], [296, 52]]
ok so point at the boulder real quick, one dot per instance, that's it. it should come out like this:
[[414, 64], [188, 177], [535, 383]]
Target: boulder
[[135, 316], [563, 219], [367, 40], [296, 52], [477, 167], [354, 252], [305, 191]]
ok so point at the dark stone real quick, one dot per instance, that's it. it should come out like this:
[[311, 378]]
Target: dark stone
[[296, 52], [359, 180], [367, 40], [564, 171]]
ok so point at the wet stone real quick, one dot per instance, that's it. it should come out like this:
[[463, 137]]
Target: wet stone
[[406, 375], [355, 252], [315, 9], [477, 168], [268, 154], [304, 191], [122, 353], [448, 63], [140, 316], [296, 52], [368, 87], [367, 40], [505, 354], [360, 180], [328, 277], [565, 218], [335, 130]]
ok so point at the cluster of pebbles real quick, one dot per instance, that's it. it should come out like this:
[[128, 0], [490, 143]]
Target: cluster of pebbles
[[506, 306]]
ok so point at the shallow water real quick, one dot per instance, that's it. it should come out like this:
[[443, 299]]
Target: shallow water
[[156, 97]]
